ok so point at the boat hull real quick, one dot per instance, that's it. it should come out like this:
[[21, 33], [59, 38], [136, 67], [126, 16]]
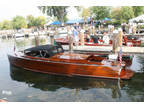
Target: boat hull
[[69, 68], [64, 41]]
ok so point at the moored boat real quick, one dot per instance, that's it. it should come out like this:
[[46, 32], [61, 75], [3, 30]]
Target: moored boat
[[53, 60], [126, 42]]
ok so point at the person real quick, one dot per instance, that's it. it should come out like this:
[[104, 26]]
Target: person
[[88, 35], [125, 39], [70, 38], [82, 31], [76, 37], [95, 38], [106, 38], [123, 27], [130, 28], [134, 28]]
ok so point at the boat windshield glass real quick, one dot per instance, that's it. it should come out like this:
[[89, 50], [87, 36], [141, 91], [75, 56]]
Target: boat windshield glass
[[44, 51]]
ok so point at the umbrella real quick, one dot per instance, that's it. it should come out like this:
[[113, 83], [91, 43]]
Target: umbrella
[[107, 19], [74, 21], [56, 23]]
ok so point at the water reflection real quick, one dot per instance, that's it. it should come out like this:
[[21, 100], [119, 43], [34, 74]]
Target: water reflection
[[135, 87], [47, 82], [141, 62]]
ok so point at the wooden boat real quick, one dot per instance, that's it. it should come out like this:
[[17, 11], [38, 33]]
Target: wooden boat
[[65, 41], [53, 60], [126, 41], [131, 41]]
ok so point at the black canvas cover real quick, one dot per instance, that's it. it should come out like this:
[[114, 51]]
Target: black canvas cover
[[44, 50], [38, 48]]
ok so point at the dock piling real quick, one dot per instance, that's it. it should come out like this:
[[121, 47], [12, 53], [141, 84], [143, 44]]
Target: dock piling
[[82, 37], [120, 37], [70, 43], [36, 40], [115, 41]]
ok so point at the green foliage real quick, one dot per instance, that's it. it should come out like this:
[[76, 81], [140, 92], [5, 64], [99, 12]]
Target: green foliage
[[56, 11], [19, 22], [100, 12], [30, 21], [138, 10], [5, 25], [142, 26], [65, 18], [0, 25], [85, 13], [78, 8], [39, 21], [116, 22], [127, 13], [122, 14], [116, 14]]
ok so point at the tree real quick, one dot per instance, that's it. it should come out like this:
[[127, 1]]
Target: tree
[[127, 13], [56, 11], [19, 22], [122, 14], [100, 12], [40, 21], [30, 21], [33, 22], [116, 15], [85, 13], [0, 25], [138, 10], [6, 25], [79, 8]]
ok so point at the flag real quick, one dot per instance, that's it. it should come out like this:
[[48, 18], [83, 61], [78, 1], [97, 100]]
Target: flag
[[55, 43], [15, 49], [120, 55]]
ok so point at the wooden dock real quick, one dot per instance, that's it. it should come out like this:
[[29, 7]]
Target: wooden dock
[[106, 49]]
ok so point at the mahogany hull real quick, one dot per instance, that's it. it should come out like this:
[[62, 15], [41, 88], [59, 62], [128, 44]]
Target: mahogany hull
[[66, 42], [69, 68]]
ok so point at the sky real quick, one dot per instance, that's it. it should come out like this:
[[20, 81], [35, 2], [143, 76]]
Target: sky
[[11, 8]]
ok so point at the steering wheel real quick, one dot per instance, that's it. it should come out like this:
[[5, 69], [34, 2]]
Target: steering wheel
[[43, 53]]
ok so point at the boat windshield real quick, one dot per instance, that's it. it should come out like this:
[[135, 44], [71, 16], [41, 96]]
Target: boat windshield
[[45, 51]]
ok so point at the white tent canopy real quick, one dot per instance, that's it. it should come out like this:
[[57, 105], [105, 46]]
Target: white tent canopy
[[139, 18]]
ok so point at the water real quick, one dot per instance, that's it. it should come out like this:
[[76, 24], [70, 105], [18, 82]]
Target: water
[[19, 85]]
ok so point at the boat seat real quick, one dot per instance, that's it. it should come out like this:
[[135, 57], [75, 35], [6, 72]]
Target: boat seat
[[95, 58]]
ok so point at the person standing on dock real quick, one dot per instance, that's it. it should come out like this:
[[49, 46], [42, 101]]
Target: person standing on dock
[[76, 37], [134, 26], [130, 28], [88, 35], [106, 38], [123, 25], [82, 36], [70, 38]]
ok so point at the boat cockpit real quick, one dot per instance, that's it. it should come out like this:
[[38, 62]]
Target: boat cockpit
[[45, 51]]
